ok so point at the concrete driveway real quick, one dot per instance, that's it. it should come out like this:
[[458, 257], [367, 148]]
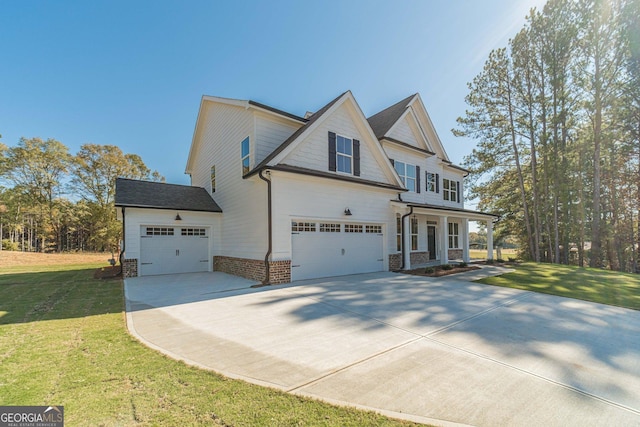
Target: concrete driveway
[[441, 351]]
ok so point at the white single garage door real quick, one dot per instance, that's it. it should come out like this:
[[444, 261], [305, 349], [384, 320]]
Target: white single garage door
[[170, 250], [324, 249]]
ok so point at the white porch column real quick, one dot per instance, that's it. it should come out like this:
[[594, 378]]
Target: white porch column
[[465, 240], [490, 239], [407, 243], [444, 241]]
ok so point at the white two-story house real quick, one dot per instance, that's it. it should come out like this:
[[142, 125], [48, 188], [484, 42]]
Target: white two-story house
[[277, 197]]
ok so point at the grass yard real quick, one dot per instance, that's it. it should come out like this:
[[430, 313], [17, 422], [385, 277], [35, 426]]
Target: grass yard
[[589, 284], [63, 341], [482, 254]]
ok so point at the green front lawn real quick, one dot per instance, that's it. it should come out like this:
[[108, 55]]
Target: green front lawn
[[590, 284], [63, 341]]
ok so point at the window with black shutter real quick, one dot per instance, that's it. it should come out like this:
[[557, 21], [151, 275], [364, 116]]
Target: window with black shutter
[[332, 151], [356, 157]]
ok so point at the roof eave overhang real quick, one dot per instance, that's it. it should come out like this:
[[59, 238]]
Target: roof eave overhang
[[326, 175], [453, 212], [167, 208]]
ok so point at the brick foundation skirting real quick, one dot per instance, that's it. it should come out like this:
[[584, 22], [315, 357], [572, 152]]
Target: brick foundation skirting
[[253, 269], [419, 257], [455, 253], [130, 267], [395, 261]]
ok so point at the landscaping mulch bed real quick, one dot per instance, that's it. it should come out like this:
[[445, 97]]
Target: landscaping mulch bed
[[107, 272], [438, 271]]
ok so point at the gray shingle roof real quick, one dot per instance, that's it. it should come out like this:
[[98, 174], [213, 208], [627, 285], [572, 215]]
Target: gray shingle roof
[[159, 195], [381, 122]]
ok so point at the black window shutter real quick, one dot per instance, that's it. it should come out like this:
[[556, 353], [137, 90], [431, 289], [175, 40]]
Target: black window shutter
[[417, 179], [458, 190], [393, 162], [437, 183], [332, 151], [356, 157]]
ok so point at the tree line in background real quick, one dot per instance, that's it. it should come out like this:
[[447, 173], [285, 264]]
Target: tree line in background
[[557, 118], [53, 201]]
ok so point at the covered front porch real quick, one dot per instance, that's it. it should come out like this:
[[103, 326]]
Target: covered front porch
[[433, 235]]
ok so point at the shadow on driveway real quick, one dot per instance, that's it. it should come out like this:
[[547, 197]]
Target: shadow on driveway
[[432, 348]]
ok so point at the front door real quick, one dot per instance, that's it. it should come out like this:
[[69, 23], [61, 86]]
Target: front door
[[431, 241]]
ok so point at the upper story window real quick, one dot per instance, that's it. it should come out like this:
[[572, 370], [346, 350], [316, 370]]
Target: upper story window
[[344, 153], [213, 179], [409, 174], [451, 190], [246, 157], [432, 182]]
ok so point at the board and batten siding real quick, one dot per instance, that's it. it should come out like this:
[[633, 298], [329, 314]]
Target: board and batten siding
[[312, 152], [320, 199], [243, 201], [137, 217], [270, 134]]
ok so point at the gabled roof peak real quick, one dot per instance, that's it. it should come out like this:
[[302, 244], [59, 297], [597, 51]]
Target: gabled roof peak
[[382, 121]]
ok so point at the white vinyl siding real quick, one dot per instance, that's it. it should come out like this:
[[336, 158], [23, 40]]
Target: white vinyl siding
[[312, 152], [244, 201], [403, 132], [271, 132], [297, 197]]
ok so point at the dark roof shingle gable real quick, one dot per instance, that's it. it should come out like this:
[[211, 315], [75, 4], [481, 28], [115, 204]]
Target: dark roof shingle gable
[[383, 121], [159, 195]]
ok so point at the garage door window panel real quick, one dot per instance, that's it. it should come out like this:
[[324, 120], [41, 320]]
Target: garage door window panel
[[297, 226], [159, 231], [193, 232], [329, 228], [353, 228]]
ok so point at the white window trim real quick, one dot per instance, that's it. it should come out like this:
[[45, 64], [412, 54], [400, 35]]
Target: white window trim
[[414, 233], [455, 236], [449, 194], [406, 177], [339, 154]]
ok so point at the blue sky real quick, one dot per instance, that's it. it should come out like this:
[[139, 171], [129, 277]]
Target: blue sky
[[132, 73]]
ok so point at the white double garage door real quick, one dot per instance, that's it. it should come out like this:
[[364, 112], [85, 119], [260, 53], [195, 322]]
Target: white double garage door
[[170, 250], [324, 249]]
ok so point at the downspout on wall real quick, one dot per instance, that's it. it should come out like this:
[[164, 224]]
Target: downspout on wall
[[403, 242], [123, 243], [267, 280]]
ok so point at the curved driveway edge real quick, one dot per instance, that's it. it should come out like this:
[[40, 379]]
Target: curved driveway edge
[[442, 351]]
